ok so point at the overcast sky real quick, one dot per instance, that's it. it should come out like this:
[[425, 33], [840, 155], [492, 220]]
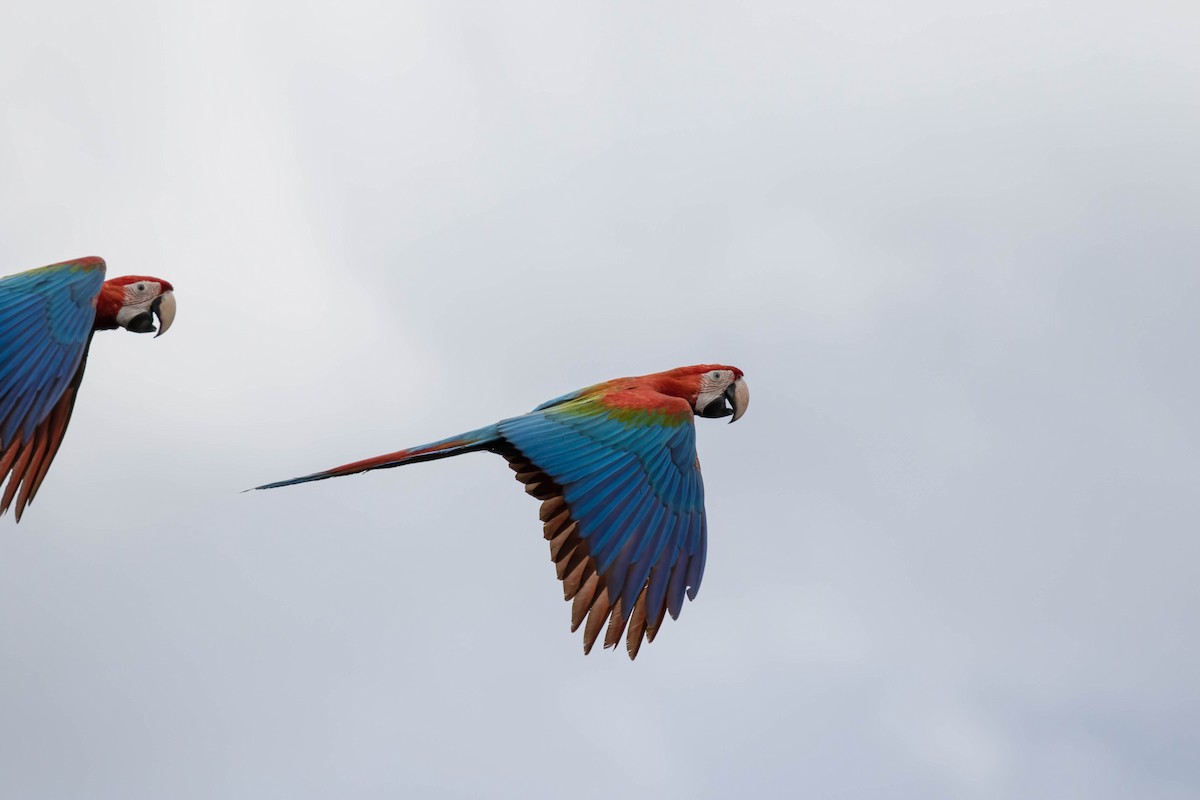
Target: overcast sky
[[953, 544]]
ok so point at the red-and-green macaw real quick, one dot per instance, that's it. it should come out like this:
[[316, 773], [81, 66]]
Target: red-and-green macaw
[[47, 318], [616, 470]]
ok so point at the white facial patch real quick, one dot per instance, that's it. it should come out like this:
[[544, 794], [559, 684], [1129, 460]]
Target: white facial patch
[[141, 292], [712, 384], [138, 297]]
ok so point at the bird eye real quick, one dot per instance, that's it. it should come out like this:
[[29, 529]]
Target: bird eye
[[141, 287], [716, 374]]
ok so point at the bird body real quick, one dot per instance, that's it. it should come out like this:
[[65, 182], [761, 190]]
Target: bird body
[[47, 318], [616, 470]]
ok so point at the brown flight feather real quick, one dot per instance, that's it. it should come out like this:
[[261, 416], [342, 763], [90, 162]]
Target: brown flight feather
[[574, 564]]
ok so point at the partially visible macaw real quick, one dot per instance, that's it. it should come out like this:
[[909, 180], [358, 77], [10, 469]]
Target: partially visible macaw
[[616, 470], [47, 318]]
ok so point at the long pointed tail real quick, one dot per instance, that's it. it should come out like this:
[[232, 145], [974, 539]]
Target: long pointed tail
[[481, 439]]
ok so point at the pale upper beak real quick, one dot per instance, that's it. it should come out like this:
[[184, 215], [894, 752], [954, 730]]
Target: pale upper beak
[[164, 308], [738, 395]]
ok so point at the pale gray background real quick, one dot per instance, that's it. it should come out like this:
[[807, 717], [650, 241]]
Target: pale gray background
[[954, 542]]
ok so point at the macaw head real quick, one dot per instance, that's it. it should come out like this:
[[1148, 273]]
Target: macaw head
[[714, 390], [133, 301], [723, 393]]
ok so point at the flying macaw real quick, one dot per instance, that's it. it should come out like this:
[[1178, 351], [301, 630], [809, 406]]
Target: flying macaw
[[616, 470], [47, 318]]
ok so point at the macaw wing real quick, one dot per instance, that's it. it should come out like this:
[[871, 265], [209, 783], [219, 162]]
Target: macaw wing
[[46, 320], [623, 508]]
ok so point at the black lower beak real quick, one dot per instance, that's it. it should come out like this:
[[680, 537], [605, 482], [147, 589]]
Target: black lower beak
[[730, 396], [718, 408], [142, 323], [156, 307]]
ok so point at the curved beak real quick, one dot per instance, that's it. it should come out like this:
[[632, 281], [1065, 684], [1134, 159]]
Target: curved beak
[[738, 395], [164, 308]]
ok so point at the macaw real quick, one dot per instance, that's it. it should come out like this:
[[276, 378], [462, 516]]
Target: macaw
[[47, 318], [616, 470]]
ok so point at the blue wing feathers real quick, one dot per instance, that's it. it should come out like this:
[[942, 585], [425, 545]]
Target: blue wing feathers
[[586, 487], [46, 321], [634, 490], [656, 590], [671, 536], [46, 317], [19, 317], [587, 469], [617, 553], [21, 389], [598, 505], [625, 509], [696, 565], [35, 375], [645, 557], [676, 586]]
